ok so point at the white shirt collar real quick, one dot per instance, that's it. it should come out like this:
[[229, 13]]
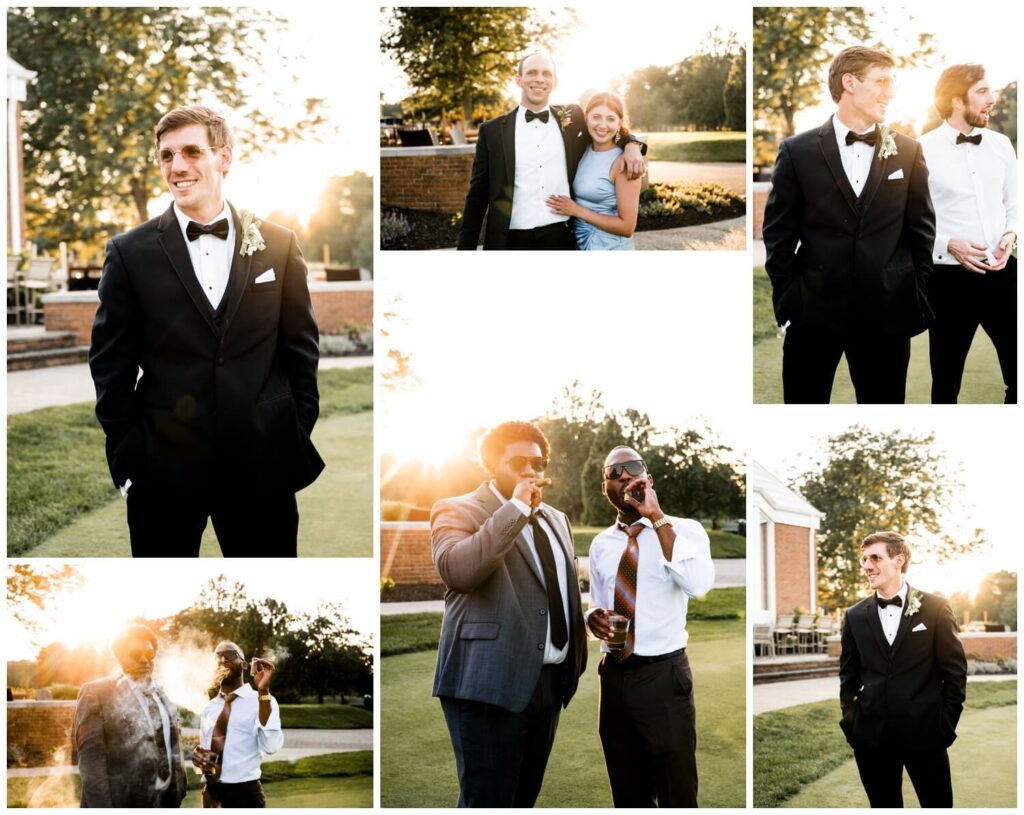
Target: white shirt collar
[[951, 132], [842, 130], [183, 219], [242, 691], [522, 112], [902, 593], [640, 520]]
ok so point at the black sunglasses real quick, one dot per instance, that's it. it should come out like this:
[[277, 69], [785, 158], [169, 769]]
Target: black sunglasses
[[230, 656], [138, 653], [518, 463], [613, 472]]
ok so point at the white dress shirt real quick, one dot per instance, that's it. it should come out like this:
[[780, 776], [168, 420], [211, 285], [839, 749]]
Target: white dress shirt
[[540, 171], [890, 616], [552, 655], [141, 690], [856, 157], [662, 586], [973, 188], [211, 257], [246, 740]]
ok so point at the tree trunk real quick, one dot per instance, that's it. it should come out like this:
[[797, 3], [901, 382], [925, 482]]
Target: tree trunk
[[139, 197], [467, 108]]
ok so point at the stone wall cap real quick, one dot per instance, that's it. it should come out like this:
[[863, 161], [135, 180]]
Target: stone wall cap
[[17, 703], [404, 525], [72, 297], [341, 285], [433, 150], [987, 634]]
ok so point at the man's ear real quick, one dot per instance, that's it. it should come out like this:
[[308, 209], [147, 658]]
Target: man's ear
[[848, 80], [650, 479], [226, 155], [604, 487]]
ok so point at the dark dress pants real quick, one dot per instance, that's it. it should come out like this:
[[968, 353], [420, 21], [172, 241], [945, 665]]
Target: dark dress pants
[[164, 524], [246, 795], [963, 301], [553, 236], [881, 773], [878, 365], [648, 731], [500, 756]]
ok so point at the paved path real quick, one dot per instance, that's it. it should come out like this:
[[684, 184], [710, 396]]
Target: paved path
[[730, 234], [68, 384], [730, 174]]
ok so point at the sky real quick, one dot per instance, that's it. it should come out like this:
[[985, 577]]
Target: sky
[[980, 440], [117, 590], [613, 39], [976, 32]]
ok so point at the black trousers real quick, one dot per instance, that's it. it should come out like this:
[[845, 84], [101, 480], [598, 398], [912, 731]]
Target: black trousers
[[648, 731], [501, 756], [878, 365], [881, 773], [163, 524], [963, 301], [553, 236], [247, 794]]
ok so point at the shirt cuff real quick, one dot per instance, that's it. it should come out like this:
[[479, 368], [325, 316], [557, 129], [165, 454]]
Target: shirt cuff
[[942, 253], [523, 508]]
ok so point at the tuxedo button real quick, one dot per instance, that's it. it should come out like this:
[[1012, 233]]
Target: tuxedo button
[[542, 611], [540, 646], [220, 360]]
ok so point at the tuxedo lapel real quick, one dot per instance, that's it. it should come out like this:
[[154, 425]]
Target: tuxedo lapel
[[875, 175], [871, 610], [508, 145], [173, 244], [904, 626], [241, 270], [830, 152]]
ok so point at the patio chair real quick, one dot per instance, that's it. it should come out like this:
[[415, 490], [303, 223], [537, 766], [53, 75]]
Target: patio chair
[[763, 638], [783, 634], [804, 629], [417, 138], [823, 629], [14, 284], [38, 280]]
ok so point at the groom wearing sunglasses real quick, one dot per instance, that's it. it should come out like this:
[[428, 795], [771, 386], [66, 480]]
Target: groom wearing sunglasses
[[512, 643], [643, 570], [212, 307]]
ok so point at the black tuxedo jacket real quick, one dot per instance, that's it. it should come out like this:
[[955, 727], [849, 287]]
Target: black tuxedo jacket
[[116, 752], [842, 263], [228, 394], [911, 694]]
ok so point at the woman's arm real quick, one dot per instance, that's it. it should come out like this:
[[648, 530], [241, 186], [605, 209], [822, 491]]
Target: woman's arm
[[627, 199]]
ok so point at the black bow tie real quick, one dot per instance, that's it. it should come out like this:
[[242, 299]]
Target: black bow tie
[[218, 229], [962, 139], [543, 116], [868, 138], [892, 601]]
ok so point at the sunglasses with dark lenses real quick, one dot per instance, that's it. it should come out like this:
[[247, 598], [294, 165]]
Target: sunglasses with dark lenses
[[190, 152], [138, 653], [230, 656], [613, 472], [518, 463]]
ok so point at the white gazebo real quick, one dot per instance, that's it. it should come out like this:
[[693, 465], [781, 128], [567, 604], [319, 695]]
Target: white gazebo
[[18, 78]]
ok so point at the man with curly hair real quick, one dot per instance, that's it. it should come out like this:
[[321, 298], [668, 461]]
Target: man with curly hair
[[513, 644]]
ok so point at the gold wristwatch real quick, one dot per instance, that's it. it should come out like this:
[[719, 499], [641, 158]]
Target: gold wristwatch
[[662, 521]]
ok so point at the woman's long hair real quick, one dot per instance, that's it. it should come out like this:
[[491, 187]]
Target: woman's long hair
[[615, 103]]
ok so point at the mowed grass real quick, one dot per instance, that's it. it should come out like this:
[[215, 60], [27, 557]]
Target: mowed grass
[[60, 501], [700, 146], [325, 717], [418, 767], [796, 746], [982, 382], [723, 544]]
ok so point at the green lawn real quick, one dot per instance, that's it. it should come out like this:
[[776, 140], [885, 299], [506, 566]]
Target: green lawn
[[723, 544], [325, 717], [798, 749], [982, 384], [700, 146], [418, 768], [60, 502]]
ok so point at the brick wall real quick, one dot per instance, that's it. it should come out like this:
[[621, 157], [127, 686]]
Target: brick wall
[[429, 179], [987, 647], [405, 553], [39, 733], [792, 569]]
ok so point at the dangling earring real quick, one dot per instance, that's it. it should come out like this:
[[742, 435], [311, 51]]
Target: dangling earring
[[616, 136]]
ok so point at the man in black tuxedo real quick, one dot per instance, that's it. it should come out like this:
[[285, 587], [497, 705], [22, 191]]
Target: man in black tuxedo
[[127, 734], [213, 307], [848, 232], [902, 681], [523, 158]]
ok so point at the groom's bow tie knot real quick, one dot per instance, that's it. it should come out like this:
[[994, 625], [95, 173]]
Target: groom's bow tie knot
[[543, 116], [892, 601], [962, 139], [218, 229], [869, 138]]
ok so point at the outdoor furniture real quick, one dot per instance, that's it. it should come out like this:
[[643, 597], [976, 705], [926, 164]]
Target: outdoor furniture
[[804, 629], [38, 280], [763, 639], [417, 138], [84, 278], [783, 634], [823, 629], [13, 285], [458, 135]]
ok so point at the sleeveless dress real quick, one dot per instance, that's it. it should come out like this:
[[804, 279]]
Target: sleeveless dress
[[593, 189]]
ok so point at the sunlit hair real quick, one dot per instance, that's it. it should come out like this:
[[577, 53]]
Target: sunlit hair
[[493, 443], [954, 83], [895, 544], [856, 60], [217, 129], [554, 68], [119, 643], [234, 645], [614, 102]]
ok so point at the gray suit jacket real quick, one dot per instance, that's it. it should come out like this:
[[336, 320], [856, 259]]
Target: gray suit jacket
[[495, 618]]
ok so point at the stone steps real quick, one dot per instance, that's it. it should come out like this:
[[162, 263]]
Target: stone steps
[[45, 349], [785, 670]]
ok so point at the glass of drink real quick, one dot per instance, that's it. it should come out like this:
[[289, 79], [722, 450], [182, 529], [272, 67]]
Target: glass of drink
[[620, 629]]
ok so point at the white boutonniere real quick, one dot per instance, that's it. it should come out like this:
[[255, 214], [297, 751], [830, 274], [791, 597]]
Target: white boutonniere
[[252, 239], [564, 117], [887, 143], [913, 604]]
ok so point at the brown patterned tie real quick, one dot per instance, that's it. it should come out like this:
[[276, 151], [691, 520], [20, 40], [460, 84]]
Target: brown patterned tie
[[625, 588], [220, 729]]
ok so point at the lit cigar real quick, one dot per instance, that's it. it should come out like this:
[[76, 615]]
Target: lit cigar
[[542, 482]]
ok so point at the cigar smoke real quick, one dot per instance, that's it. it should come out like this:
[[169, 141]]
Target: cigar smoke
[[185, 669]]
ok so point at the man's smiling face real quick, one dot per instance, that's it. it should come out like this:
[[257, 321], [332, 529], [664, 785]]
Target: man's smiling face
[[537, 80], [195, 185]]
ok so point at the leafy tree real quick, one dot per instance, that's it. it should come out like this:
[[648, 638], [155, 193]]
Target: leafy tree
[[325, 655], [734, 94], [106, 76], [344, 221], [1004, 113], [869, 481], [29, 588], [997, 599], [651, 97]]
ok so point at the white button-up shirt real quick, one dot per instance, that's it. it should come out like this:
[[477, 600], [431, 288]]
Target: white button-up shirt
[[889, 616], [211, 257], [973, 188], [552, 655], [540, 171], [663, 587], [856, 157], [247, 740]]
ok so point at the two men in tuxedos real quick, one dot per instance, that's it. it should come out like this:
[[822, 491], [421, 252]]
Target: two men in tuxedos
[[127, 734], [523, 158], [512, 644], [903, 680], [213, 308], [849, 230]]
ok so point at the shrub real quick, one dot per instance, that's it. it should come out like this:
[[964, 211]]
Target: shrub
[[393, 227], [387, 585], [63, 692]]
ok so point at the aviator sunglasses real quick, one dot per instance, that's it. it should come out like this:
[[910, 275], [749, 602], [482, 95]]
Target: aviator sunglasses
[[518, 463], [613, 472], [190, 152]]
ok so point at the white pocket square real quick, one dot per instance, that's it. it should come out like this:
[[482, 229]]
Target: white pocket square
[[919, 627], [897, 175], [266, 277]]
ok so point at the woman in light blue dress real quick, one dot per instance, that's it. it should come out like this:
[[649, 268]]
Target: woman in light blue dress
[[606, 201]]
